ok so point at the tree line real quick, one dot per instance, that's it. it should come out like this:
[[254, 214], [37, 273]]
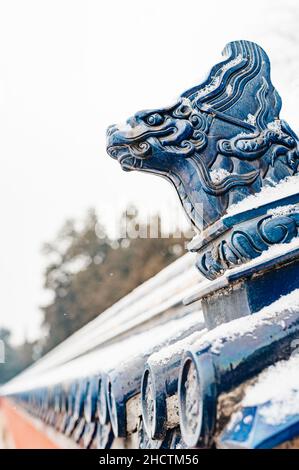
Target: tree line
[[86, 272]]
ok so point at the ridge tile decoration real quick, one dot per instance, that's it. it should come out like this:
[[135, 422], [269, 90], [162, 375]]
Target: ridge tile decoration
[[222, 141], [248, 240]]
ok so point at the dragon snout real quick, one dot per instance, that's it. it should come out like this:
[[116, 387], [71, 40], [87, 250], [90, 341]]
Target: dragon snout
[[124, 136], [114, 145], [111, 129], [118, 152], [118, 146], [114, 140], [120, 134]]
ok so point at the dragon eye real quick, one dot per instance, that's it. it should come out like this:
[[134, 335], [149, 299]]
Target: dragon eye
[[154, 119]]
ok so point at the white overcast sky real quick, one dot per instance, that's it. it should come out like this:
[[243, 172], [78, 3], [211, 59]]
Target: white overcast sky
[[67, 70]]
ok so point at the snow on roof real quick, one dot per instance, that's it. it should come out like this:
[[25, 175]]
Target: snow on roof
[[278, 390], [285, 188], [150, 299], [283, 210], [274, 251], [248, 324], [165, 354], [226, 331], [111, 356]]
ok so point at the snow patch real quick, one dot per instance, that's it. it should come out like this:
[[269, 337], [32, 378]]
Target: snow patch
[[165, 354], [278, 390], [229, 90], [287, 187], [275, 126], [273, 252], [283, 210], [218, 175], [251, 119], [114, 355], [247, 325], [215, 82]]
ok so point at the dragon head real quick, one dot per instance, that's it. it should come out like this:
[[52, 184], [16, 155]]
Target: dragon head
[[221, 141], [151, 139]]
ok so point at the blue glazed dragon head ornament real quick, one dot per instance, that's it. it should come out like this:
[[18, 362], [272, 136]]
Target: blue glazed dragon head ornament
[[220, 142]]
